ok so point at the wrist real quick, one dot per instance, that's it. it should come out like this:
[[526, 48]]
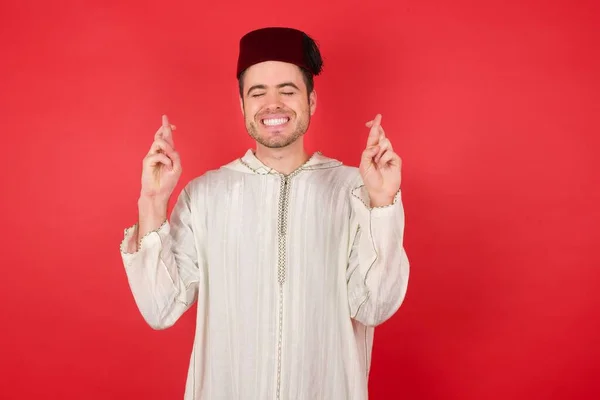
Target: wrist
[[152, 205], [152, 212]]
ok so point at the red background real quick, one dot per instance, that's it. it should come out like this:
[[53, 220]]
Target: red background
[[493, 107]]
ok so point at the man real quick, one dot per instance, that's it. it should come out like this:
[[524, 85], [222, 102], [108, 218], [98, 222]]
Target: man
[[292, 258]]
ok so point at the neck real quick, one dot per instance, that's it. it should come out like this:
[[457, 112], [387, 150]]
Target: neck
[[284, 160]]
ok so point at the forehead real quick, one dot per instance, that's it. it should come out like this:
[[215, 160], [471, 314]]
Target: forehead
[[272, 73]]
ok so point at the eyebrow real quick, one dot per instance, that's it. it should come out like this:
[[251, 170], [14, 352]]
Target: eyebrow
[[279, 86]]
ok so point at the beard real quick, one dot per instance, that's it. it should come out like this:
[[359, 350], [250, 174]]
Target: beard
[[278, 139]]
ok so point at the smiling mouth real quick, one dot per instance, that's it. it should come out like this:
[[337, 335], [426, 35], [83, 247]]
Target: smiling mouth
[[274, 121]]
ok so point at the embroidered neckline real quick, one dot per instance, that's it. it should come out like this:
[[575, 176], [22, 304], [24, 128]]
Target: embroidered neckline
[[262, 169]]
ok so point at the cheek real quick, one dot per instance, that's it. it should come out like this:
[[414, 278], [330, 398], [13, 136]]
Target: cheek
[[251, 109], [299, 107]]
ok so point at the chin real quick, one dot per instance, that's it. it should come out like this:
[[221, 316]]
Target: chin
[[276, 142], [275, 137]]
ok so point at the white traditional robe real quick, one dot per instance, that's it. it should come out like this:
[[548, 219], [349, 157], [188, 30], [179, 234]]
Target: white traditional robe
[[290, 273]]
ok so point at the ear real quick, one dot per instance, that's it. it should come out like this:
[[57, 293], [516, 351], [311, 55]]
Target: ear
[[312, 102], [240, 91]]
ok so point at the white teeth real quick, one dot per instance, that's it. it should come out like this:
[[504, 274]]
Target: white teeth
[[275, 121]]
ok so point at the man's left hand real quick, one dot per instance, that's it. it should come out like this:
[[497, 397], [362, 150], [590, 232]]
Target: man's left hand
[[380, 166]]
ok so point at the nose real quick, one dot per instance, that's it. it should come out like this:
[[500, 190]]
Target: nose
[[273, 101]]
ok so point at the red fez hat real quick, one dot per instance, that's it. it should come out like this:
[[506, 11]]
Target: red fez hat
[[278, 44]]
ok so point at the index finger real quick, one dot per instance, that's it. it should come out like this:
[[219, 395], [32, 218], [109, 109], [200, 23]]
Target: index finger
[[374, 133], [167, 133], [381, 131]]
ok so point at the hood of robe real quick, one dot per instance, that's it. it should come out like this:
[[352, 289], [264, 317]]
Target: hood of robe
[[249, 164]]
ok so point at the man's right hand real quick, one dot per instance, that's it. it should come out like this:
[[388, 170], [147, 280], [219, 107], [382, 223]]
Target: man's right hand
[[161, 166], [160, 173]]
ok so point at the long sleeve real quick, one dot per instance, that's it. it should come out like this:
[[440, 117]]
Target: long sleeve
[[378, 268], [165, 272]]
